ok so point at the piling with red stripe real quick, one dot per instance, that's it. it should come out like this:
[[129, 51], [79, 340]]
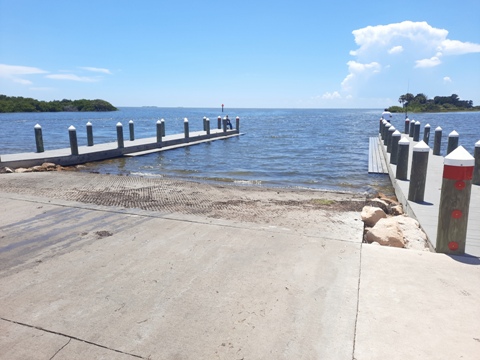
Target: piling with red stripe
[[454, 202]]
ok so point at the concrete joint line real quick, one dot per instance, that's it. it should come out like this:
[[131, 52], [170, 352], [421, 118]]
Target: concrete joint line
[[71, 337], [358, 302]]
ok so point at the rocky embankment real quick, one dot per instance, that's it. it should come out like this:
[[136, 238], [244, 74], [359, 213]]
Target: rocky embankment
[[386, 224], [40, 168]]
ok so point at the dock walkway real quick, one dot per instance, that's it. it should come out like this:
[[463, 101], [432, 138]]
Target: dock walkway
[[426, 213], [376, 160], [111, 150]]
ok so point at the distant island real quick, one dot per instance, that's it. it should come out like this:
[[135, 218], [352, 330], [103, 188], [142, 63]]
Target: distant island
[[12, 104], [421, 103]]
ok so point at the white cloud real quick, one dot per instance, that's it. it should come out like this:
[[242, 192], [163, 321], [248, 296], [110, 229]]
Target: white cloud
[[94, 69], [15, 73], [12, 70], [330, 96], [384, 35], [22, 81], [419, 37], [455, 47], [447, 79], [71, 77], [396, 50], [426, 63], [356, 70], [415, 44]]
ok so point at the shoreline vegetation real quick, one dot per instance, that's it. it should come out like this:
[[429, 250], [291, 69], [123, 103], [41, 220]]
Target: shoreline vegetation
[[13, 104], [421, 103]]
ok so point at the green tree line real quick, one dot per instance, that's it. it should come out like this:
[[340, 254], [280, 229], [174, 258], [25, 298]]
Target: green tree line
[[9, 104], [421, 103]]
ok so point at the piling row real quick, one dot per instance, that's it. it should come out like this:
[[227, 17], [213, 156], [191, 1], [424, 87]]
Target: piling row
[[160, 132], [129, 145], [461, 171]]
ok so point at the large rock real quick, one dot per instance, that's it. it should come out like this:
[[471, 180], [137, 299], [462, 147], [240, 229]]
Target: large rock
[[413, 235], [48, 166], [386, 232], [396, 210], [23, 170], [371, 215], [380, 204]]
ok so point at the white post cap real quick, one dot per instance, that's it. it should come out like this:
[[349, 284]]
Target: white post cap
[[438, 128], [392, 128], [204, 118], [417, 122], [421, 147], [71, 128], [477, 144], [397, 133], [185, 120], [407, 119], [427, 126], [162, 120], [130, 122], [37, 126], [207, 119], [119, 124], [159, 122], [404, 141], [89, 123], [459, 157], [453, 134]]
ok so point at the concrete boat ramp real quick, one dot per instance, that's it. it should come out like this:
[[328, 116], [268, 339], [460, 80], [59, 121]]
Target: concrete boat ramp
[[86, 281]]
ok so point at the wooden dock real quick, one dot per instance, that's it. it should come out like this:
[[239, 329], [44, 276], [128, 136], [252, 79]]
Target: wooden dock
[[426, 213], [111, 150], [376, 159]]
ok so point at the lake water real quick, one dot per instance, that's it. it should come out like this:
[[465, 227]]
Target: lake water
[[308, 148]]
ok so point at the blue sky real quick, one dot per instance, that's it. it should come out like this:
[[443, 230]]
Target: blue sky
[[250, 54]]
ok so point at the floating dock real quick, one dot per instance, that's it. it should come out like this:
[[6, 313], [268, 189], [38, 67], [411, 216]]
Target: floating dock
[[111, 150], [426, 213], [376, 160]]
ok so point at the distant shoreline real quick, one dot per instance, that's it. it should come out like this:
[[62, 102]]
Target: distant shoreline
[[12, 104]]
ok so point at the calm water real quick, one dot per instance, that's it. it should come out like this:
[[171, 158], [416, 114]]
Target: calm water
[[320, 149]]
